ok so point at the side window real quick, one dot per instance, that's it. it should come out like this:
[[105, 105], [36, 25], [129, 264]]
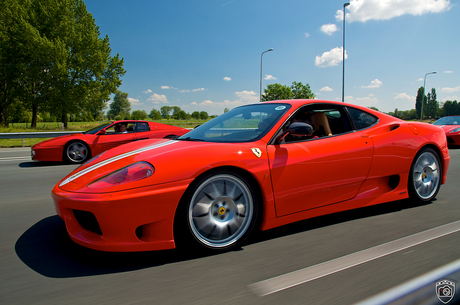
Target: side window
[[141, 127], [326, 121], [361, 119]]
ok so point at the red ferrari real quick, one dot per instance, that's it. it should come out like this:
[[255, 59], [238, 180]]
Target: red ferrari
[[78, 148], [256, 166], [451, 125]]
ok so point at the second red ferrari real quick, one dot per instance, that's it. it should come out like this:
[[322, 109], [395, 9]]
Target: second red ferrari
[[78, 148]]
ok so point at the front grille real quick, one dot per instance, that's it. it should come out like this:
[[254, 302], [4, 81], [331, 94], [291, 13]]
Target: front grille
[[88, 221]]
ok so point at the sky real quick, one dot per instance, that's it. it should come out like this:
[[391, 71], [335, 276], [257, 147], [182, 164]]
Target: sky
[[205, 55]]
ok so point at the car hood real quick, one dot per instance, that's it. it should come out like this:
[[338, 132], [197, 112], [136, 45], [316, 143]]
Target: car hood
[[173, 160], [448, 128]]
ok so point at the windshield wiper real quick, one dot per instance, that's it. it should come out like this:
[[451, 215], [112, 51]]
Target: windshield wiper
[[190, 139]]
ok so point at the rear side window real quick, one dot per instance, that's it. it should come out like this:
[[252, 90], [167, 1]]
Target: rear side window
[[361, 119]]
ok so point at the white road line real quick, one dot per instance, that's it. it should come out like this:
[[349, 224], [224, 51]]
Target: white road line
[[308, 274], [14, 159]]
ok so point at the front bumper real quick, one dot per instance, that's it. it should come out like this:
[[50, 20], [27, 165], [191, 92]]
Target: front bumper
[[46, 153], [139, 219]]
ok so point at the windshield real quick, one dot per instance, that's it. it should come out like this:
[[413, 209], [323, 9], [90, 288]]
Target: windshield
[[448, 120], [242, 124], [96, 129]]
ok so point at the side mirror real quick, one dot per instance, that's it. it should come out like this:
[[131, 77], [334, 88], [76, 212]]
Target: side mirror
[[296, 129], [102, 132], [300, 129]]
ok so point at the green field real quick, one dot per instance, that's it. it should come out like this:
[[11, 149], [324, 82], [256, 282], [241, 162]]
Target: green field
[[71, 126]]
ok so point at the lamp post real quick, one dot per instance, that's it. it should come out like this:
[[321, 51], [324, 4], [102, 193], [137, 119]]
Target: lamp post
[[343, 53], [423, 96], [260, 91]]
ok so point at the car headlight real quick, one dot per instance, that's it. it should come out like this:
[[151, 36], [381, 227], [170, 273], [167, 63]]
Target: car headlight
[[454, 130], [130, 173]]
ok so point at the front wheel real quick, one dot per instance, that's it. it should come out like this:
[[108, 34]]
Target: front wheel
[[76, 152], [221, 211], [425, 176]]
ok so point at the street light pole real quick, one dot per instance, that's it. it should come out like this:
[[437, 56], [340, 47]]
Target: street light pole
[[423, 96], [260, 90], [343, 53]]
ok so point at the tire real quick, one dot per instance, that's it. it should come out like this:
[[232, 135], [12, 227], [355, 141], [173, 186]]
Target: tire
[[76, 152], [220, 211], [425, 176]]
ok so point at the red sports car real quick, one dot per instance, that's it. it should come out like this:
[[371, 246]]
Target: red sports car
[[78, 148], [256, 166], [451, 125]]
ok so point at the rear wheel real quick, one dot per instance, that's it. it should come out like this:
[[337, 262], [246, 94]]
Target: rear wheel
[[76, 152], [221, 211], [425, 175]]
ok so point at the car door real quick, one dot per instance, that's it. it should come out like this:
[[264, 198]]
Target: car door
[[321, 171], [111, 138], [142, 130]]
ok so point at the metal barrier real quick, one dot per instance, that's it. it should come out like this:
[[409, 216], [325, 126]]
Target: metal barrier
[[28, 135]]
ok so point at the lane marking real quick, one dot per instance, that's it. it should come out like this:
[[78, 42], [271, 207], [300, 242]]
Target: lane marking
[[414, 286], [15, 158], [308, 274]]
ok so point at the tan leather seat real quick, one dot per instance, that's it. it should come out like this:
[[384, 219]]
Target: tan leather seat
[[319, 120]]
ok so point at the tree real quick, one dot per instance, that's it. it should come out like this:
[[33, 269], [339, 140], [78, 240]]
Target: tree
[[155, 114], [196, 115], [204, 115], [61, 65], [277, 92], [420, 99], [139, 115], [301, 91], [432, 105], [281, 92], [175, 111], [226, 110], [165, 111], [120, 105]]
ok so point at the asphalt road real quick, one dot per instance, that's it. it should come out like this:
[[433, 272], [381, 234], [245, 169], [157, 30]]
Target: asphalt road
[[40, 265]]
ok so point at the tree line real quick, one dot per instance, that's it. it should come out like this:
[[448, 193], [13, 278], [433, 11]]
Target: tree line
[[432, 109], [53, 61]]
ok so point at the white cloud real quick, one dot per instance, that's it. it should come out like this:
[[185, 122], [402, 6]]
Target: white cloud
[[148, 91], [134, 101], [374, 84], [269, 77], [193, 90], [326, 89], [227, 78], [165, 87], [244, 98], [307, 35], [364, 10], [158, 98], [330, 58], [404, 96], [452, 98], [367, 101], [450, 90], [329, 29]]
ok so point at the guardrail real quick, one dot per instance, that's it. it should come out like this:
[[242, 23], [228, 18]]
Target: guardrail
[[28, 135]]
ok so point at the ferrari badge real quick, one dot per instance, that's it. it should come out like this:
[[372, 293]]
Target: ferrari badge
[[257, 152]]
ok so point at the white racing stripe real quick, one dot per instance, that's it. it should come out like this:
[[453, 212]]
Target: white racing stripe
[[305, 275], [113, 159]]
